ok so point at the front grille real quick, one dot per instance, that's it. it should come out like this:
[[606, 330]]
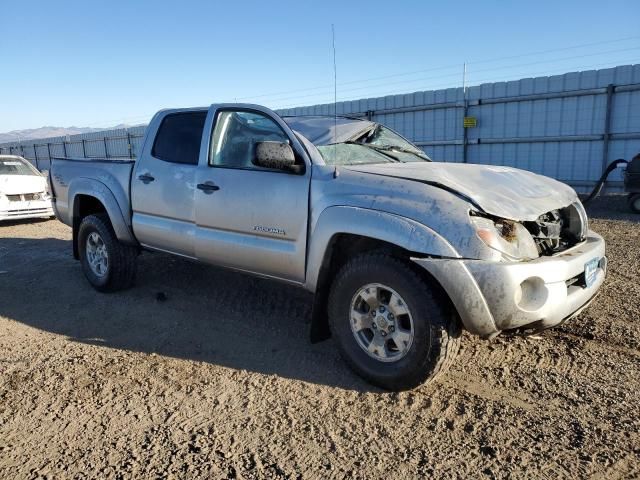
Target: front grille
[[578, 281], [25, 211], [559, 230], [24, 197]]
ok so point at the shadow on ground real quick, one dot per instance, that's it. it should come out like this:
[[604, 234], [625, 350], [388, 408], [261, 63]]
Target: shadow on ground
[[184, 310], [177, 308]]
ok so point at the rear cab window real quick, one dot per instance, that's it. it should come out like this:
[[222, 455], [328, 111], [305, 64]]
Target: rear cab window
[[179, 137]]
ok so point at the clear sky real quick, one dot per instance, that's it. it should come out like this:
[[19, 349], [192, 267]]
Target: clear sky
[[100, 63]]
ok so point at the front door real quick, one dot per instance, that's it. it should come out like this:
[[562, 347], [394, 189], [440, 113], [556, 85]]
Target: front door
[[248, 217]]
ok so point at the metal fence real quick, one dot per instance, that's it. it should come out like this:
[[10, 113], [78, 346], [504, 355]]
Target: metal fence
[[119, 143], [568, 126]]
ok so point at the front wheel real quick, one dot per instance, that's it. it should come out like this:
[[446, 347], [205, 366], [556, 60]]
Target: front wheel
[[108, 264], [393, 327]]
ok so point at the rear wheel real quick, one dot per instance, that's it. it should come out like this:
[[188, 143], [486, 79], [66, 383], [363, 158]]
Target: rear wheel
[[634, 202], [108, 264], [393, 328]]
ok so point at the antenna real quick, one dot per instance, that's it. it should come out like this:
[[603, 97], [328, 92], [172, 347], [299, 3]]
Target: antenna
[[335, 74], [464, 80], [335, 100]]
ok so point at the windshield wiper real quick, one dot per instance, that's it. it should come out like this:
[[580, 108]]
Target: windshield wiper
[[400, 149], [383, 151]]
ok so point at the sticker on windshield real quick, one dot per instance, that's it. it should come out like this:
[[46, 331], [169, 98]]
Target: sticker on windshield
[[11, 163]]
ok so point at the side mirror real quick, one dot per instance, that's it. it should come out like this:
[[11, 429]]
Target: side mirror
[[278, 155]]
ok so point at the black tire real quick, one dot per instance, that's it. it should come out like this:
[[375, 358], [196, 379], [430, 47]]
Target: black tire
[[121, 270], [634, 202], [437, 332]]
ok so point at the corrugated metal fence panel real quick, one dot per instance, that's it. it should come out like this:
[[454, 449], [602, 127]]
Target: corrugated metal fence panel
[[626, 117], [569, 116], [573, 161], [105, 143], [573, 124]]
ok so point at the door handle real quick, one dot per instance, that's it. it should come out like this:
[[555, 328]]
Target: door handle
[[207, 187], [146, 178]]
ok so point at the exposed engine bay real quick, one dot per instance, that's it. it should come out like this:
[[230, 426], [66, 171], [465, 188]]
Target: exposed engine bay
[[558, 230]]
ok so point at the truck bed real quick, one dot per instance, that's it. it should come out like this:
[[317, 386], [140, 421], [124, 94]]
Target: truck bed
[[83, 175]]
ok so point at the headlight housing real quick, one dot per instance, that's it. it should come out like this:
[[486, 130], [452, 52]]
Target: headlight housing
[[583, 218], [41, 196], [511, 239]]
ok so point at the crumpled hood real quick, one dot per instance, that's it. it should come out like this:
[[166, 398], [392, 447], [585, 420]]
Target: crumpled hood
[[501, 191], [17, 184]]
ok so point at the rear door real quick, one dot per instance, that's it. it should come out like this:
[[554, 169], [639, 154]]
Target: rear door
[[163, 183], [248, 217]]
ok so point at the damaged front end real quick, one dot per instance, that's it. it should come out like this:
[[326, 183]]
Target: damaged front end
[[558, 230], [538, 273], [551, 233]]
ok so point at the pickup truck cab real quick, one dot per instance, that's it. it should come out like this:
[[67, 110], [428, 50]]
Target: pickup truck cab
[[401, 252]]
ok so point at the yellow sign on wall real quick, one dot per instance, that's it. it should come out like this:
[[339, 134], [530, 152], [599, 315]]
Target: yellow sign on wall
[[470, 122]]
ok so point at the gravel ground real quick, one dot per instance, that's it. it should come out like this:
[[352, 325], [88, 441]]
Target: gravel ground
[[218, 380]]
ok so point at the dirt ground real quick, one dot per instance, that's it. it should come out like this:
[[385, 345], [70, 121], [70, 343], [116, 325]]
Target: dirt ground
[[219, 380]]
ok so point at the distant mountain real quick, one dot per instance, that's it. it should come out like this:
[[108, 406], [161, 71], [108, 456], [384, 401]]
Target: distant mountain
[[47, 132]]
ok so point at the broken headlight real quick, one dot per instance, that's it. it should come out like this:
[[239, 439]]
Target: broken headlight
[[511, 239]]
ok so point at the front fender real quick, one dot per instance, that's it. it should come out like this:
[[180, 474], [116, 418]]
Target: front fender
[[98, 190], [388, 227]]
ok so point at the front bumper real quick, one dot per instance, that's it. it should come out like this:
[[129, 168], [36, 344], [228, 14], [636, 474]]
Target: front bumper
[[491, 297], [26, 209]]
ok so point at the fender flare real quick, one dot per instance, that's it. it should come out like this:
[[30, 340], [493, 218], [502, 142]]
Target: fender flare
[[102, 193], [380, 225], [395, 229]]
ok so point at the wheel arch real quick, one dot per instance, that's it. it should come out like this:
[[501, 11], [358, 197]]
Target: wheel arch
[[90, 197], [343, 232]]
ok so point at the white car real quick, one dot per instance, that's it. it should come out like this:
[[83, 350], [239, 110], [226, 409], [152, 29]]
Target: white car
[[24, 192]]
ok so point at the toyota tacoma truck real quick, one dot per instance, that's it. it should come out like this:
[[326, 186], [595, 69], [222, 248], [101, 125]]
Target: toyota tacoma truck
[[401, 253]]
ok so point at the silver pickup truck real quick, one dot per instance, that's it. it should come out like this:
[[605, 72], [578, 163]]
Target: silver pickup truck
[[401, 253]]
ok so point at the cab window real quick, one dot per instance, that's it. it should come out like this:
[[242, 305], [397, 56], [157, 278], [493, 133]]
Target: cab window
[[178, 138], [236, 134]]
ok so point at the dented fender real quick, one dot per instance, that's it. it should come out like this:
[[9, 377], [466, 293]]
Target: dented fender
[[464, 292], [491, 297], [395, 229]]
